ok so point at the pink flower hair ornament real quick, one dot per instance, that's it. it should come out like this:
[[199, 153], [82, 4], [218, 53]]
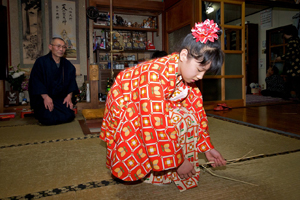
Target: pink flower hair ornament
[[205, 31]]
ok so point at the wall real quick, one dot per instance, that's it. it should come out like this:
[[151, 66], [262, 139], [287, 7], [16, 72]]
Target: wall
[[280, 17], [81, 68]]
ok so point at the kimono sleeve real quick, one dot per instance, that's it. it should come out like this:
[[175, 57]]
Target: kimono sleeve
[[72, 86], [37, 81]]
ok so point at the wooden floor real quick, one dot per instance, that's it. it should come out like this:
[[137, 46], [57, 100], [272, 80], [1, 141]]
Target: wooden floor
[[283, 117]]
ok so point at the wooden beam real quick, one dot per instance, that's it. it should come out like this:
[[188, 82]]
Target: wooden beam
[[170, 3], [94, 94], [135, 6], [2, 95], [278, 3]]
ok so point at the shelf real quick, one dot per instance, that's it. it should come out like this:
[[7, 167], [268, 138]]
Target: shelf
[[119, 61], [127, 50], [277, 61], [135, 7], [277, 45], [126, 28]]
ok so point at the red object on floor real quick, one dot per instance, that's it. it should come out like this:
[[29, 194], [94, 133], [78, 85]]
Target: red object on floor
[[222, 106], [26, 112], [225, 107], [218, 108], [7, 115], [75, 110]]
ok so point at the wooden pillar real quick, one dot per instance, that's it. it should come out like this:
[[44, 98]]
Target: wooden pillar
[[94, 78], [2, 95], [3, 53], [94, 94]]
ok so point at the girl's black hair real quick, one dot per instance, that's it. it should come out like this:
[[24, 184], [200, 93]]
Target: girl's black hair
[[290, 30], [205, 53], [159, 54], [275, 70]]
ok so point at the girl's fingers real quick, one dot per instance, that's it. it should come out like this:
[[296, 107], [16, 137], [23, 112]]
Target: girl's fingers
[[194, 171]]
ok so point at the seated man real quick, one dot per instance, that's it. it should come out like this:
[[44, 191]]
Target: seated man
[[52, 85], [275, 83]]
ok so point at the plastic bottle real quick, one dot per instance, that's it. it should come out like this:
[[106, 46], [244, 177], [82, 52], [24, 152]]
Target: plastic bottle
[[88, 97]]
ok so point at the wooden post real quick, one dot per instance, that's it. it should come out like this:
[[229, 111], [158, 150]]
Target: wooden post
[[94, 78], [94, 94], [2, 95]]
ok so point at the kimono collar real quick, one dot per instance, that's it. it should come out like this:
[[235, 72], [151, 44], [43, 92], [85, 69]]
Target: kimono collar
[[49, 55]]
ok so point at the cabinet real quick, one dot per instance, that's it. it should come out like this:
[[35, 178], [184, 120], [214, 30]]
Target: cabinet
[[105, 74], [251, 54], [122, 60], [129, 38], [132, 45], [275, 47]]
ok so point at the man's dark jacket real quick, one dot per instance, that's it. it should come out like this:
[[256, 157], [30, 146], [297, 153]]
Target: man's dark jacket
[[57, 82]]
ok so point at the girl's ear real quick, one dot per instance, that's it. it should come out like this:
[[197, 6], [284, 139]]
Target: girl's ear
[[183, 55]]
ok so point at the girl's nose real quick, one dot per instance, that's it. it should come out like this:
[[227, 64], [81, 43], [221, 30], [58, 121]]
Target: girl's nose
[[200, 75]]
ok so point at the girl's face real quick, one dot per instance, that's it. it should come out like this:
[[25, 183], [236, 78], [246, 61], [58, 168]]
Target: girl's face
[[191, 69]]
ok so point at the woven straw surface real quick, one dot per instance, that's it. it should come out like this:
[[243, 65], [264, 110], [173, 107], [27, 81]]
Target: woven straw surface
[[45, 166]]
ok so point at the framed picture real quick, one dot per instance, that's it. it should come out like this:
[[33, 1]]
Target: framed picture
[[31, 16], [64, 24], [100, 43], [12, 98]]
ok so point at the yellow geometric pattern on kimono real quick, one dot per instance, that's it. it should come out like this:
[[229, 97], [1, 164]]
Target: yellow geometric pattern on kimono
[[139, 133]]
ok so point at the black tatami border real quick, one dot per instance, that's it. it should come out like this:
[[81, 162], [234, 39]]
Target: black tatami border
[[103, 183], [90, 136]]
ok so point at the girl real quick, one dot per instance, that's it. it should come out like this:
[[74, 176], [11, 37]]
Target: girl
[[154, 122]]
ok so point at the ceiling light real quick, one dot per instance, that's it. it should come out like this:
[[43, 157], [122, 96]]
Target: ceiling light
[[210, 10]]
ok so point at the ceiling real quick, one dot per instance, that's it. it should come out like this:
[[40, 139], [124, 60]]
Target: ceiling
[[233, 12]]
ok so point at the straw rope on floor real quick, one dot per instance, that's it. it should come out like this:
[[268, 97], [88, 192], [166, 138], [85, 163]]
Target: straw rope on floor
[[68, 168]]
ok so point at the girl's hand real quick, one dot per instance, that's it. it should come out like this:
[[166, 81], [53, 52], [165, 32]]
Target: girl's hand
[[186, 170], [215, 157]]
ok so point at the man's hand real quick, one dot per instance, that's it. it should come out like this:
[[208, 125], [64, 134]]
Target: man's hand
[[68, 101], [186, 170], [48, 102], [215, 157]]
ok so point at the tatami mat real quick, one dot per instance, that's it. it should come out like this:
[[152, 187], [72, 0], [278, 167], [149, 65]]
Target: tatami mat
[[28, 170], [35, 133]]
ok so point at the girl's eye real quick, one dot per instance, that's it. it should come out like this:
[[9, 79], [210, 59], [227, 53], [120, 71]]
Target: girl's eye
[[200, 68]]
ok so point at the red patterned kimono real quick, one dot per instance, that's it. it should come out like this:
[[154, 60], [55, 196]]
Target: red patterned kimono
[[140, 128]]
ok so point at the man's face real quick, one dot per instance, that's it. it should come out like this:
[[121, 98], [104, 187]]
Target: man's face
[[58, 48]]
